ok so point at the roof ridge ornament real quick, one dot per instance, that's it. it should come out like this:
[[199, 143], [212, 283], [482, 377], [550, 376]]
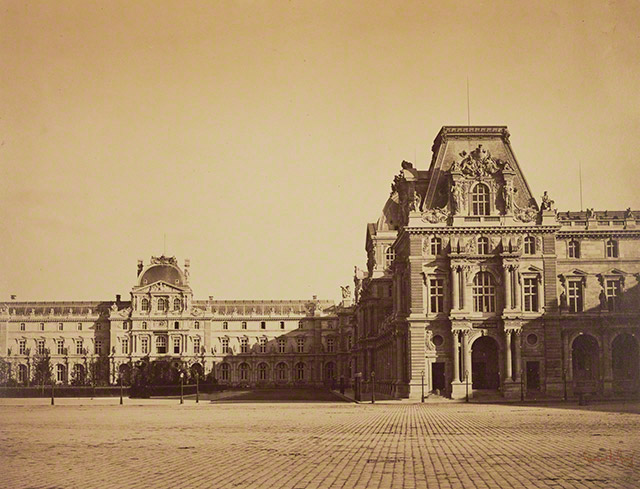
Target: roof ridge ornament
[[164, 260]]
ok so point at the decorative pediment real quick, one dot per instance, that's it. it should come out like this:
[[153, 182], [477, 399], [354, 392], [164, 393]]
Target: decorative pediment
[[478, 163], [119, 314], [159, 286], [164, 260], [532, 269]]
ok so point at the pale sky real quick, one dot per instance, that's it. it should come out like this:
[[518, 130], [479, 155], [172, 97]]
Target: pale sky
[[261, 137]]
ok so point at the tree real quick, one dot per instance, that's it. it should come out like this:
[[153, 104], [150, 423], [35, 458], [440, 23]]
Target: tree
[[5, 372], [42, 368]]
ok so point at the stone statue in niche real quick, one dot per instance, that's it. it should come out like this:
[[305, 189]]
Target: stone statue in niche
[[547, 203], [435, 215], [417, 201], [428, 340], [457, 191], [507, 195]]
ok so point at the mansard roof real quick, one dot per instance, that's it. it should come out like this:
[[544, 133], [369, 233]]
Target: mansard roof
[[162, 269]]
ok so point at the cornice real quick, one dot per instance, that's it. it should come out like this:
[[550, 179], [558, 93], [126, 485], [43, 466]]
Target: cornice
[[503, 230], [599, 233]]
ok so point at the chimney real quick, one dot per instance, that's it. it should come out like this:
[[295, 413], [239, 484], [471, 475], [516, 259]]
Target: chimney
[[140, 267], [117, 298], [13, 297]]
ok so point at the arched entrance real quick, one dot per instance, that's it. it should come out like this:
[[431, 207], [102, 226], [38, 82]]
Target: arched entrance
[[584, 354], [624, 360], [484, 363]]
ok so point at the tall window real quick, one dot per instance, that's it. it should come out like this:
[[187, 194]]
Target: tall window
[[176, 344], [390, 255], [40, 347], [300, 342], [244, 325], [225, 325], [262, 371], [281, 371], [22, 327], [60, 347], [144, 325], [60, 373], [574, 293], [300, 325], [300, 371], [480, 200], [612, 248], [224, 372], [436, 246], [281, 324], [176, 304], [225, 345], [22, 347], [484, 293], [144, 345], [22, 374], [574, 249], [161, 344], [125, 346], [330, 345], [244, 345], [79, 347], [281, 345], [263, 345], [263, 325], [145, 304], [161, 304], [613, 292], [436, 294], [196, 325], [483, 246], [530, 286], [98, 347], [244, 371], [529, 245], [176, 325]]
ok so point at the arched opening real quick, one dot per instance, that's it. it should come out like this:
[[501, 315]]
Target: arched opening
[[224, 372], [281, 372], [244, 372], [480, 198], [484, 363], [263, 372], [330, 371], [584, 352], [78, 374], [23, 376], [196, 371], [61, 374], [624, 359], [300, 372]]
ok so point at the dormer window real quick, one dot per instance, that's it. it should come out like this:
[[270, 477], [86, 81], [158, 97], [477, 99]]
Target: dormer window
[[529, 245], [436, 246], [574, 249], [611, 248], [145, 304], [483, 246], [176, 304], [390, 255], [161, 305], [480, 198]]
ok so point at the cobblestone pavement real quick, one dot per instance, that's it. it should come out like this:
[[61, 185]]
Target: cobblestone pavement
[[158, 444]]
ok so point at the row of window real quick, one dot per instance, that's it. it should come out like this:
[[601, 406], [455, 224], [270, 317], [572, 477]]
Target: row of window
[[60, 348], [176, 325], [281, 371], [162, 304], [281, 342], [263, 324], [610, 296], [60, 327], [610, 249]]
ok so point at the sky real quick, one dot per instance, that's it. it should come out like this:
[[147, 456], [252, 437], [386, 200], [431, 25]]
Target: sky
[[259, 137]]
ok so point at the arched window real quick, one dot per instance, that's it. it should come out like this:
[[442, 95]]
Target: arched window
[[224, 372], [281, 371], [390, 255], [22, 374], [612, 248], [144, 325], [78, 374], [61, 373], [484, 293], [161, 304], [574, 249], [480, 198], [161, 344], [145, 304], [483, 246], [262, 371], [196, 325], [299, 371], [529, 245], [244, 372], [176, 304], [436, 246]]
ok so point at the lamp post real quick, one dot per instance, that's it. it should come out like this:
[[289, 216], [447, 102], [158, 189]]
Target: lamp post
[[120, 377], [373, 387], [422, 385], [197, 387], [181, 387], [53, 383]]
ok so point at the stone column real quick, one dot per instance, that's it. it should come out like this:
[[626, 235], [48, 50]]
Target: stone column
[[507, 287], [455, 301], [456, 358], [466, 356], [518, 365], [508, 354], [516, 289]]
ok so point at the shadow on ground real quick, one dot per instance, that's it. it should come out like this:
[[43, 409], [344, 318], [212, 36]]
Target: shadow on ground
[[273, 395]]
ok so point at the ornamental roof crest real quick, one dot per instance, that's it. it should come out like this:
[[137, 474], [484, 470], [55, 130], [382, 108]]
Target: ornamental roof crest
[[479, 163], [164, 260]]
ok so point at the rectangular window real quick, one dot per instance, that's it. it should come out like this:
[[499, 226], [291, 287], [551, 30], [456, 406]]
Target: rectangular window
[[79, 347], [125, 346], [60, 347], [436, 294], [225, 325], [22, 327], [574, 289], [196, 344], [263, 325], [612, 249], [40, 347], [244, 345], [22, 347], [225, 345], [41, 326], [281, 324], [79, 326], [176, 345], [60, 326], [281, 345], [244, 325], [300, 324], [196, 325], [263, 345], [98, 347], [330, 345], [530, 294], [144, 345], [300, 342], [613, 292]]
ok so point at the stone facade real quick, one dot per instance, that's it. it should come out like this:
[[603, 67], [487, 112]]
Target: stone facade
[[491, 289]]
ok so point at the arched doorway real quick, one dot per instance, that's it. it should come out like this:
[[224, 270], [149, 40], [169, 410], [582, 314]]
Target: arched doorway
[[78, 374], [281, 372], [584, 354], [196, 370], [624, 360], [484, 363]]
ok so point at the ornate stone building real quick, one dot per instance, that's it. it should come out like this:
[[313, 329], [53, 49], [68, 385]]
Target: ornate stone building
[[473, 285], [236, 342]]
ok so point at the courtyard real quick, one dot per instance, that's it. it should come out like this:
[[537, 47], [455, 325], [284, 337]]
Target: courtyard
[[83, 443]]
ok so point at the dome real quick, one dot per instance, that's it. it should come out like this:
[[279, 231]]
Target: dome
[[170, 274]]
